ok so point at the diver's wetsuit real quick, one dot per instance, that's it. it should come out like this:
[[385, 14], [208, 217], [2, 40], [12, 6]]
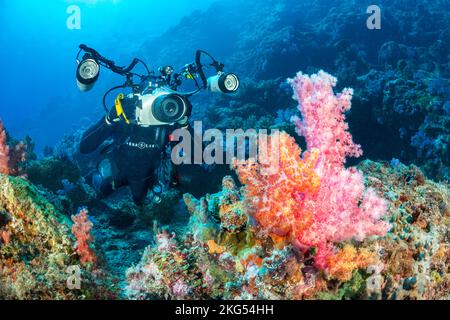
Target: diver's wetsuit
[[135, 155]]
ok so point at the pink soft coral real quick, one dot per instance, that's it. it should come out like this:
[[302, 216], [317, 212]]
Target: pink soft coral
[[330, 204], [81, 229], [343, 208], [323, 120]]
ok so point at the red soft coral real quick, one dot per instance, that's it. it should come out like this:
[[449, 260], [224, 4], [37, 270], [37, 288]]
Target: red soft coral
[[10, 157], [315, 201], [4, 151], [81, 229]]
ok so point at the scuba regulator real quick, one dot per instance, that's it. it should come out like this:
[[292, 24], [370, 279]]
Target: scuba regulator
[[156, 97]]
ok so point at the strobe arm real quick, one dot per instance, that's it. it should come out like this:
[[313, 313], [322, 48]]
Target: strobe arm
[[111, 64], [198, 61]]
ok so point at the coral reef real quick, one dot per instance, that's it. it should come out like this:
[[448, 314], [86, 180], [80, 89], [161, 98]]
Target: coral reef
[[208, 260], [51, 172], [304, 231], [400, 73], [412, 103], [276, 237], [251, 107], [414, 256]]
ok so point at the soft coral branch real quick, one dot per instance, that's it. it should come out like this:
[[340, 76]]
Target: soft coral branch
[[81, 229], [277, 197], [4, 151], [10, 156], [323, 120]]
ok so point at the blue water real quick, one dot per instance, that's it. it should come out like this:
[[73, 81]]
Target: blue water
[[38, 56]]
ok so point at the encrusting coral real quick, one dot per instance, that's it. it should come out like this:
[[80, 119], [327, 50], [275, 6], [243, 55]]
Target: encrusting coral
[[414, 258], [36, 249]]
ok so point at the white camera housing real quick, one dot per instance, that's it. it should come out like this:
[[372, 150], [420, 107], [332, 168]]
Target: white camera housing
[[162, 107]]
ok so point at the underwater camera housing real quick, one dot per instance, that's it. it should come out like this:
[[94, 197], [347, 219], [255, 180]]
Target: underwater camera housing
[[162, 108], [159, 102]]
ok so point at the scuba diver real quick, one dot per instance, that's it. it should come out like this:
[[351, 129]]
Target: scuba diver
[[133, 158], [140, 124]]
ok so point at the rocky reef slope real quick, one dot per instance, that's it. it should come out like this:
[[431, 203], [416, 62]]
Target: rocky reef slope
[[37, 249], [222, 253]]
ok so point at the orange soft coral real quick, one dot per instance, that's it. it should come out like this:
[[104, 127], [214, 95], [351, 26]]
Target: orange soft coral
[[276, 198]]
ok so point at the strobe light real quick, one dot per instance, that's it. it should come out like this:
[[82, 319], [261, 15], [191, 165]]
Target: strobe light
[[224, 82], [87, 74]]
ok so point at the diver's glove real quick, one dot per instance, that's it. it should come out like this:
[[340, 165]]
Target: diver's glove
[[124, 110], [111, 118]]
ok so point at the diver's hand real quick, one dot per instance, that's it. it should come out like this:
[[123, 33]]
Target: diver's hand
[[108, 120], [112, 118], [127, 111]]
